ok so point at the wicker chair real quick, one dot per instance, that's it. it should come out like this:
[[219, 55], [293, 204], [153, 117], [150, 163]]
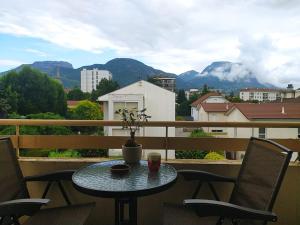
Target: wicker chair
[[14, 196], [253, 195]]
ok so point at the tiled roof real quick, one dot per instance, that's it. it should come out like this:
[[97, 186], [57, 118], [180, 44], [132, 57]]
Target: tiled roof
[[204, 97], [216, 107], [269, 110]]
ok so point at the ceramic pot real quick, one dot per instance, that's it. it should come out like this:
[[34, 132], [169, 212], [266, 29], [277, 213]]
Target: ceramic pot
[[132, 155]]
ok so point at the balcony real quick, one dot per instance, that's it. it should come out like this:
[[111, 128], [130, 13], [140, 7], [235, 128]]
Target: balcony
[[150, 208]]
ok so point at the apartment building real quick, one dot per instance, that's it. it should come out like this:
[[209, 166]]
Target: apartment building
[[268, 94], [260, 94], [90, 78], [168, 83]]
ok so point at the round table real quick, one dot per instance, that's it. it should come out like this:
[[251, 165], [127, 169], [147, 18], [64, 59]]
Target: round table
[[97, 180]]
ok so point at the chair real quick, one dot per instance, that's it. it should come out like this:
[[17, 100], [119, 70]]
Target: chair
[[14, 196], [253, 194]]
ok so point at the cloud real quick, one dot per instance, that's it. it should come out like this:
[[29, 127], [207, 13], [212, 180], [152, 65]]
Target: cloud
[[37, 52], [10, 63], [172, 35]]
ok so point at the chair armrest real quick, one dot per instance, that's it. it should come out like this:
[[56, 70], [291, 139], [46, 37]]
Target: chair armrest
[[228, 210], [204, 176], [53, 176], [21, 207]]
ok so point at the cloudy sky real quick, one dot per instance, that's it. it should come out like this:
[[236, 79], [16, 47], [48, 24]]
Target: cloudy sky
[[172, 35]]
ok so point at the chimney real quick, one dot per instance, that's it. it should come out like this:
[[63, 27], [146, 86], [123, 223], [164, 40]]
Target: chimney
[[282, 110]]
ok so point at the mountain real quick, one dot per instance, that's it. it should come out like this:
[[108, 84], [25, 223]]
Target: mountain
[[222, 75], [124, 70], [189, 75]]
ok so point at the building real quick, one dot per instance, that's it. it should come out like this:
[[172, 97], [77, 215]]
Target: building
[[139, 95], [211, 97], [90, 78], [191, 92], [268, 94], [260, 94], [251, 112], [168, 83]]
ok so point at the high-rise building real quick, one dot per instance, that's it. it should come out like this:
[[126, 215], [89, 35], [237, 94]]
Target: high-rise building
[[168, 83], [90, 78]]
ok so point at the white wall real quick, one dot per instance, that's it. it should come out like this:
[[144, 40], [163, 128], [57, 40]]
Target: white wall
[[159, 102], [215, 99]]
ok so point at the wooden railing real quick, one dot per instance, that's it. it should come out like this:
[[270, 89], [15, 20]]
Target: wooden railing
[[166, 142]]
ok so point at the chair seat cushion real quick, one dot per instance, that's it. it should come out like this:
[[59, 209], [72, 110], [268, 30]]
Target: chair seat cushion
[[67, 215], [179, 215]]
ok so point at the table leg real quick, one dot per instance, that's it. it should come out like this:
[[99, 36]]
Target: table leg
[[117, 211], [133, 211]]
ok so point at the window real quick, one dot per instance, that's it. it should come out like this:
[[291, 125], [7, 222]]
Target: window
[[262, 132], [122, 105], [298, 132]]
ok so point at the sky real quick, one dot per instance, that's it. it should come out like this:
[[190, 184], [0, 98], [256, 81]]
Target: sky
[[171, 35]]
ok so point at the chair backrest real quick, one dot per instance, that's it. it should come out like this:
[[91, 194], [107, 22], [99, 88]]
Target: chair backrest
[[261, 174], [11, 177]]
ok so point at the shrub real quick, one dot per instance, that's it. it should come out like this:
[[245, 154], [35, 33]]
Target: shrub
[[214, 156], [190, 154], [64, 153]]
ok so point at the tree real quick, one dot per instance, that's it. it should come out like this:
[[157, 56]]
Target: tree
[[205, 90], [76, 94], [37, 130], [7, 101], [105, 86], [181, 97], [30, 91], [183, 109], [86, 110]]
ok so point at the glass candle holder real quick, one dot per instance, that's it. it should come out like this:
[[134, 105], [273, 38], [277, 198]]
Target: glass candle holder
[[154, 160]]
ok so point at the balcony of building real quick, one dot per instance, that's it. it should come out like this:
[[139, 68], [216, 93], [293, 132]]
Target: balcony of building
[[287, 205]]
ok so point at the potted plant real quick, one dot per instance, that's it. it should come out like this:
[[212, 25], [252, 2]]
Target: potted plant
[[132, 120]]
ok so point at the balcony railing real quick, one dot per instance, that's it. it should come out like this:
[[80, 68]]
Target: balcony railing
[[114, 142], [150, 208]]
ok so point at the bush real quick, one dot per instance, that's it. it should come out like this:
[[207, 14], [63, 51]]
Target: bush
[[200, 133], [196, 154], [190, 154], [64, 153], [214, 156], [93, 152]]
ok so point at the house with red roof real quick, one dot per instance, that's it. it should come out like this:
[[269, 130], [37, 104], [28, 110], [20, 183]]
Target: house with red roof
[[211, 97]]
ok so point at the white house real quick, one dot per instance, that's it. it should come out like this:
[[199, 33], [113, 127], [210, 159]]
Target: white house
[[248, 112], [212, 97], [160, 104], [90, 78]]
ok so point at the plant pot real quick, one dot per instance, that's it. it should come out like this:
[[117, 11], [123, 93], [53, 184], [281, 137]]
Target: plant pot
[[132, 155]]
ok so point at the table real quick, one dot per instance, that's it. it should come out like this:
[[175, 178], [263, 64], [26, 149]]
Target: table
[[97, 180]]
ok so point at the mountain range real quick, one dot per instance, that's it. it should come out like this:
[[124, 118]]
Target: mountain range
[[219, 75]]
